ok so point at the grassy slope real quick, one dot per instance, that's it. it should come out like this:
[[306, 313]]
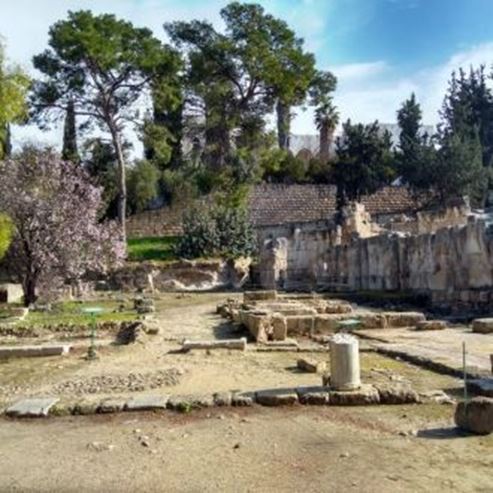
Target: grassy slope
[[156, 248]]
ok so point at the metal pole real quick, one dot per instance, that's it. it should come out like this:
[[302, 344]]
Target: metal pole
[[464, 353]]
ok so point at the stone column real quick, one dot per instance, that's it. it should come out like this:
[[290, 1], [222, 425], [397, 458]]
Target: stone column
[[344, 362]]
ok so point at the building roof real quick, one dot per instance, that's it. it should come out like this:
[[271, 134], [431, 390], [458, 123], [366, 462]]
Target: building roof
[[272, 204], [276, 204]]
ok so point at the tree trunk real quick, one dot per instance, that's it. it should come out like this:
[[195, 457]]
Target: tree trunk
[[283, 124], [122, 182], [324, 143], [69, 151], [29, 286]]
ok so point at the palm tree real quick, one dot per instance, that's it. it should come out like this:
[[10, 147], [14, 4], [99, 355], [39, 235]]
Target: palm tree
[[326, 119]]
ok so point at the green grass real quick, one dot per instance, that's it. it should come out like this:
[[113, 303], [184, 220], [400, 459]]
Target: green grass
[[70, 313], [156, 248]]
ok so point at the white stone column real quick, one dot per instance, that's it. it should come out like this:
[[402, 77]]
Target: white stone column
[[344, 362]]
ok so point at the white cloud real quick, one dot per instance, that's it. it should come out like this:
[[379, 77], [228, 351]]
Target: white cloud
[[375, 90], [357, 71]]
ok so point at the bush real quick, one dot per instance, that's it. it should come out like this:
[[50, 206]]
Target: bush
[[6, 230], [199, 235], [217, 231]]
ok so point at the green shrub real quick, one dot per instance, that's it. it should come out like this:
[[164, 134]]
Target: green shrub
[[216, 231], [6, 231]]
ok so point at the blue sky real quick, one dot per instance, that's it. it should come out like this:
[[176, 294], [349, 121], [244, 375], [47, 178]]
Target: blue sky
[[381, 50]]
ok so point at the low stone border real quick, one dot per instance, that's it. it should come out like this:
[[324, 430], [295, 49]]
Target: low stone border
[[306, 395], [427, 363]]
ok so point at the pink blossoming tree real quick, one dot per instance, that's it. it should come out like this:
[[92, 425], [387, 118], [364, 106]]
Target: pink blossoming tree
[[54, 212]]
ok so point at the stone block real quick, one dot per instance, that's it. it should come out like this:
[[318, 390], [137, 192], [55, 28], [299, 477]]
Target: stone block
[[111, 405], [404, 319], [276, 397], [365, 395], [249, 296], [184, 403], [279, 327], [397, 394], [11, 293], [311, 366], [32, 408], [327, 323], [85, 407], [314, 396], [338, 307], [258, 324], [475, 415], [147, 403], [370, 320], [33, 351], [300, 325], [431, 325], [482, 386], [482, 325]]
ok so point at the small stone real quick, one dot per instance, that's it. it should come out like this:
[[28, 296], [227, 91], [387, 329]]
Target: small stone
[[311, 366], [236, 446], [344, 455]]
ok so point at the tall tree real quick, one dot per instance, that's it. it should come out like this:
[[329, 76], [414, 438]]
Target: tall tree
[[53, 209], [103, 65], [364, 161], [14, 85], [326, 114], [459, 169], [468, 109], [239, 76], [416, 155], [69, 149]]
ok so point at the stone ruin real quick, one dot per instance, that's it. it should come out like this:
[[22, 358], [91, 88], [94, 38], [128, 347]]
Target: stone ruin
[[446, 255], [271, 317]]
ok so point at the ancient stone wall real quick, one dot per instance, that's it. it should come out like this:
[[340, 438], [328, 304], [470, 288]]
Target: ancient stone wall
[[454, 265]]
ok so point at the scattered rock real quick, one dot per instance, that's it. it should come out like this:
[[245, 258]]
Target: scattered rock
[[436, 396], [100, 447], [311, 366], [475, 415]]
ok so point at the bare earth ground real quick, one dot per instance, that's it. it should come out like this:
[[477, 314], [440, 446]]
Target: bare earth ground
[[380, 448], [252, 450], [162, 370]]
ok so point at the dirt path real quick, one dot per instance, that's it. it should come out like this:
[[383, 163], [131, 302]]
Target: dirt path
[[258, 450]]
